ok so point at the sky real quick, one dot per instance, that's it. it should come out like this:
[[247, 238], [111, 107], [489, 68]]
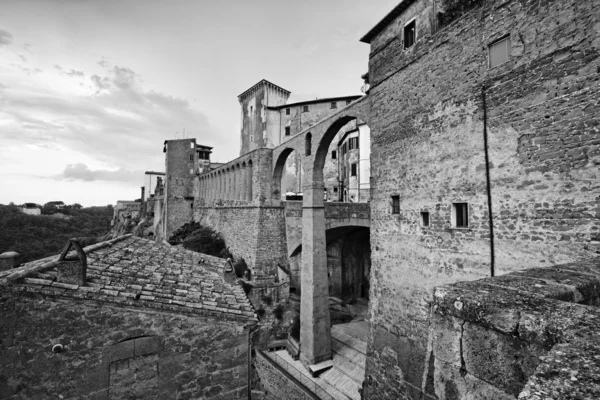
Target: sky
[[90, 89]]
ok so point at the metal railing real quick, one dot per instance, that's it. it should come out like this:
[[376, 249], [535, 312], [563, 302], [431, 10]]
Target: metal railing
[[299, 376]]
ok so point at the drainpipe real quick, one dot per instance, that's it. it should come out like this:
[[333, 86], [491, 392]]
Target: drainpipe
[[488, 182]]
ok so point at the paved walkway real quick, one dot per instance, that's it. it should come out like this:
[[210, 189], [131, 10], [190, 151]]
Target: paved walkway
[[349, 347]]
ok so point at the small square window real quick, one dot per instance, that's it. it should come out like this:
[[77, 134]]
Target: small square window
[[395, 204], [287, 111], [335, 190], [499, 52], [333, 154], [305, 109], [460, 215], [353, 169], [424, 218], [410, 34], [287, 131], [191, 157], [333, 104]]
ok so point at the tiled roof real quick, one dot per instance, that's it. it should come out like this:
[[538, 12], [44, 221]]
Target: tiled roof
[[142, 273]]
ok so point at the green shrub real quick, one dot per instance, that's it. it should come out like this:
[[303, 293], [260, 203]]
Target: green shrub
[[201, 239]]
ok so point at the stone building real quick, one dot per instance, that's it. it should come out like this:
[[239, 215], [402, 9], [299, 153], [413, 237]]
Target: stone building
[[31, 209], [354, 164], [124, 319], [485, 153]]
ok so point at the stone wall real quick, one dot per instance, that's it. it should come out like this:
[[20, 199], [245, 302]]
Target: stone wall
[[488, 338], [277, 385], [111, 352], [256, 234], [427, 132]]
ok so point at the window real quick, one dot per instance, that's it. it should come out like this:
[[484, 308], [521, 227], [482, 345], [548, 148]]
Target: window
[[191, 157], [460, 215], [395, 204], [410, 34], [344, 148], [424, 218], [335, 190], [333, 154], [191, 145], [308, 144], [353, 169], [333, 104], [499, 52], [305, 109], [287, 131], [353, 143], [287, 111]]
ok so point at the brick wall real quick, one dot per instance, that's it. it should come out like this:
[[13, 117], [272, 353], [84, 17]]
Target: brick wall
[[427, 148], [111, 352]]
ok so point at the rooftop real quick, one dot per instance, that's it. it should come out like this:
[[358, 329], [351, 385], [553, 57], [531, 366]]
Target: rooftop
[[323, 100], [262, 82], [136, 272], [399, 9]]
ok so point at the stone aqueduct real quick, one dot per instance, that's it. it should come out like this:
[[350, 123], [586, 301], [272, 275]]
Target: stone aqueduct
[[254, 180]]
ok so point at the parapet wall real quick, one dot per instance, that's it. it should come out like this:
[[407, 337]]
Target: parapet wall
[[531, 334]]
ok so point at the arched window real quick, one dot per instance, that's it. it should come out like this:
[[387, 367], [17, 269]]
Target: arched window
[[308, 144]]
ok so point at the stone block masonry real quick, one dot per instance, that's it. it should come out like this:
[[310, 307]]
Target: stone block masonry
[[112, 351], [427, 132]]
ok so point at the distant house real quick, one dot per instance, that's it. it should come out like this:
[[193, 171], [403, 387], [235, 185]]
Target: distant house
[[31, 209], [57, 204]]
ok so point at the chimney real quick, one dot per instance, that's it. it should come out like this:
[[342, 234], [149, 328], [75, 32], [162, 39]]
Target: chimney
[[143, 193], [9, 260], [72, 268]]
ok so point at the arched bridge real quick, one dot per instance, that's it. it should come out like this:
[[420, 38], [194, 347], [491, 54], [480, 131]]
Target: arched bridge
[[337, 215]]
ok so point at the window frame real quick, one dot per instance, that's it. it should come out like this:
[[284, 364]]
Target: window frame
[[333, 154], [412, 21], [353, 169], [288, 131], [395, 204], [287, 111], [333, 104], [505, 38], [425, 219], [305, 109], [460, 215]]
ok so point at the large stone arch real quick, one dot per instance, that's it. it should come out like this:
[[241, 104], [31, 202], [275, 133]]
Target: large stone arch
[[278, 172]]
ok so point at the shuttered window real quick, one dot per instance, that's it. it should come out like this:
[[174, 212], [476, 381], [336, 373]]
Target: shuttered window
[[499, 52]]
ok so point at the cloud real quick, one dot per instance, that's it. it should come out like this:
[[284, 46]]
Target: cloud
[[82, 172], [23, 58], [103, 63], [75, 73], [101, 83], [112, 119], [5, 38]]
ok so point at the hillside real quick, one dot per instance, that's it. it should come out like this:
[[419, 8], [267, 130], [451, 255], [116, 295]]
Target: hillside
[[35, 237]]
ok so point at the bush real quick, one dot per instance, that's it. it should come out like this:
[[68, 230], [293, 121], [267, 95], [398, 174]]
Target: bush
[[200, 239], [240, 267]]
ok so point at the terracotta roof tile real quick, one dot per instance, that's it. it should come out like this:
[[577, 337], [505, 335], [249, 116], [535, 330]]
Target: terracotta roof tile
[[142, 273]]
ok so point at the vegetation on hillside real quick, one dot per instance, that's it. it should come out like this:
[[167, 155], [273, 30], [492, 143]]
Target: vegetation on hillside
[[201, 239], [36, 237]]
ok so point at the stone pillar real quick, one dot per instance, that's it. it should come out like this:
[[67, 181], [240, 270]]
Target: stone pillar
[[243, 184], [315, 329], [228, 184], [239, 178], [250, 182]]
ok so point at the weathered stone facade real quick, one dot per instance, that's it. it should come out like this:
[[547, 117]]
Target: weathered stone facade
[[149, 321], [435, 105]]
